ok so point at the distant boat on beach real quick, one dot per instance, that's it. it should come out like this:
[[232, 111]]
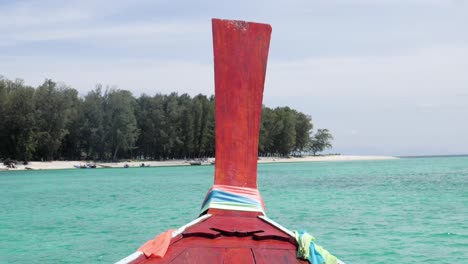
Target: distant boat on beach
[[85, 166]]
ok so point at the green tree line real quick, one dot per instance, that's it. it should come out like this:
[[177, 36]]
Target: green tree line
[[52, 122]]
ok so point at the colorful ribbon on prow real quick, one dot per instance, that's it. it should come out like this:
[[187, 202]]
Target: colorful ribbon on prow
[[227, 197]]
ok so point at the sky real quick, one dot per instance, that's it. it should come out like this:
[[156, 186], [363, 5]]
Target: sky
[[386, 77]]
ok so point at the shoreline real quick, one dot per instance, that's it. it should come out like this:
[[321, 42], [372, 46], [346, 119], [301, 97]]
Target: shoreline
[[60, 165]]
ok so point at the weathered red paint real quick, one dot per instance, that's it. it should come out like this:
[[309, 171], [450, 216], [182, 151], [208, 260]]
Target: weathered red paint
[[240, 59], [240, 55], [231, 239]]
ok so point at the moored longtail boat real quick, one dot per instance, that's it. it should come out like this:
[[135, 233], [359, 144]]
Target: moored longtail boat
[[232, 227]]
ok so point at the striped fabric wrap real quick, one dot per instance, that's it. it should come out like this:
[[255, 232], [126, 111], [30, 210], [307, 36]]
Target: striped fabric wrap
[[235, 198]]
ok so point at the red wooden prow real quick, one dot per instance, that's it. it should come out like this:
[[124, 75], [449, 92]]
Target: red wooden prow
[[234, 236], [240, 61]]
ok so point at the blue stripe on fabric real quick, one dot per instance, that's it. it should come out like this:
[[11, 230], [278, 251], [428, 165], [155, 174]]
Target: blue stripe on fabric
[[315, 256], [222, 196]]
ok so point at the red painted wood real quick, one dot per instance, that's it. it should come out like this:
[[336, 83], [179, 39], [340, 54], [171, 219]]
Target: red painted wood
[[240, 60], [200, 255], [238, 255], [226, 227], [172, 254], [275, 256], [189, 255], [241, 51], [219, 238], [233, 213], [229, 226]]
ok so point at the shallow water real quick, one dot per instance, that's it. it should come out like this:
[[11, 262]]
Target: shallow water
[[412, 210]]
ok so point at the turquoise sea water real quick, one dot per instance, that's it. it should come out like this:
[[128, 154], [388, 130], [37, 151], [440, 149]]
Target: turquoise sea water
[[412, 210]]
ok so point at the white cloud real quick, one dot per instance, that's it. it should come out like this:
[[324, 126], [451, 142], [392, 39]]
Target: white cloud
[[428, 72], [33, 21], [25, 15], [142, 32]]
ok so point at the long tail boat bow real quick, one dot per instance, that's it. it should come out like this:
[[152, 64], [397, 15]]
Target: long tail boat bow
[[233, 227]]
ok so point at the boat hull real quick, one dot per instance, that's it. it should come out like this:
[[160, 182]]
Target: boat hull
[[239, 238]]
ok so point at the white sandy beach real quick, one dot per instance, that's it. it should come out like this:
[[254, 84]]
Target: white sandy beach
[[57, 165], [324, 158]]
